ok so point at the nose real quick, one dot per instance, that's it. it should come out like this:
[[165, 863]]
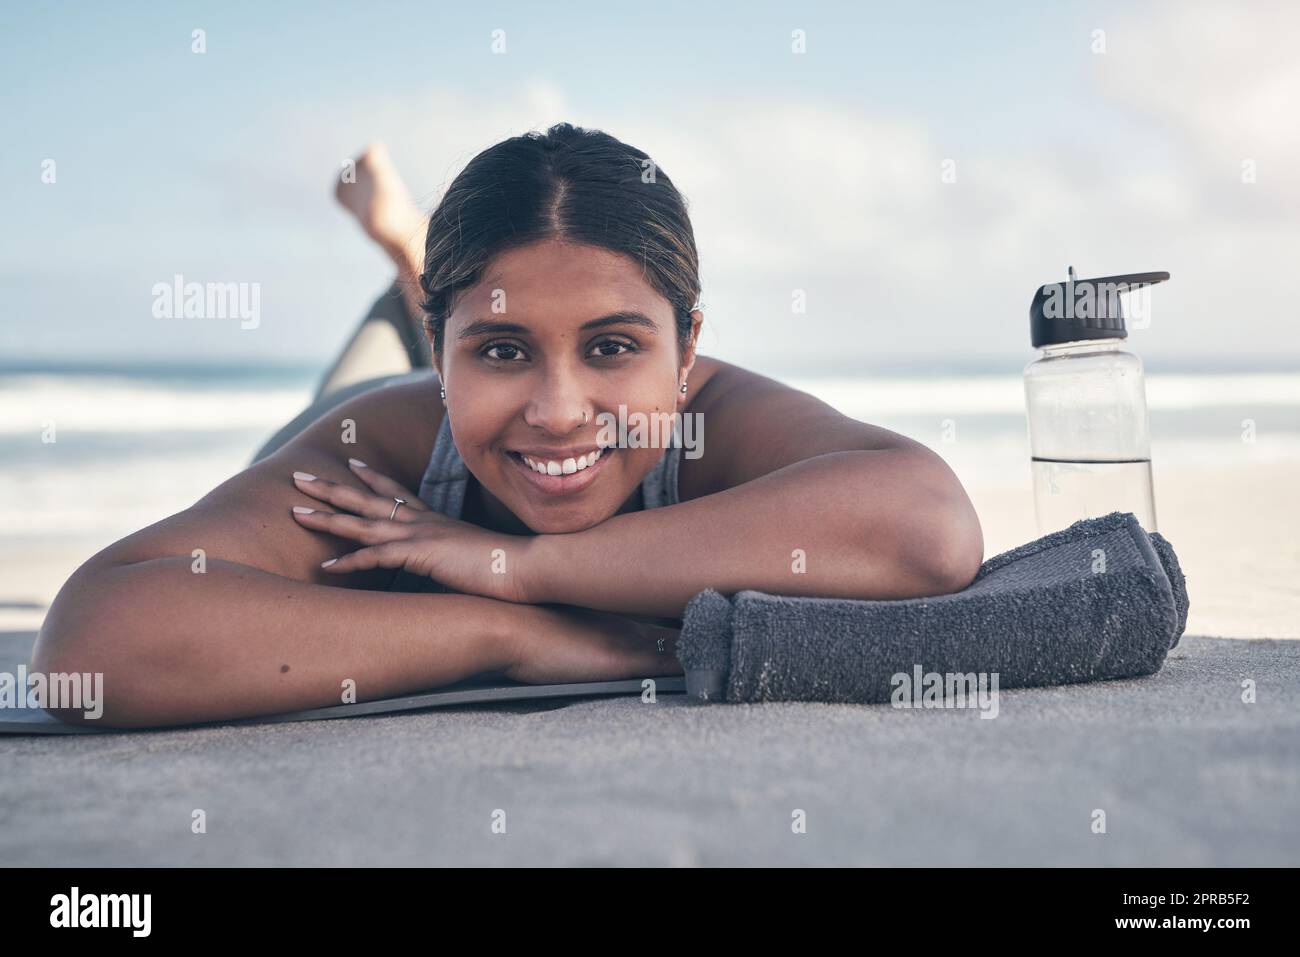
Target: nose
[[559, 403]]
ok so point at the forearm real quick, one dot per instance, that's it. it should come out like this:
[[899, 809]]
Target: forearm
[[868, 524], [175, 646]]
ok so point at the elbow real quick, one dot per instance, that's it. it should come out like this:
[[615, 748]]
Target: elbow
[[945, 543], [94, 681], [953, 549], [58, 654], [956, 566], [95, 667], [84, 684]]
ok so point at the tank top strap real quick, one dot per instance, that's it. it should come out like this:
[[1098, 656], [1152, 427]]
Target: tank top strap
[[659, 488], [446, 477]]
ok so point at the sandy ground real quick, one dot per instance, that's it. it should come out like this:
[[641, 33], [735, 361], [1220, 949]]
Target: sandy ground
[[1236, 532], [1185, 771]]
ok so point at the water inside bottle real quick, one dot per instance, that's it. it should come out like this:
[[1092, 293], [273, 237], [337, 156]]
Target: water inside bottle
[[1066, 491]]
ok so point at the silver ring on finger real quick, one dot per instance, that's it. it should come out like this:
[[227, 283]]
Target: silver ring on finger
[[397, 503]]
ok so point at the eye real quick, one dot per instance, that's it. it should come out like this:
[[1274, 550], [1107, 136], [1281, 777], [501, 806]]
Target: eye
[[509, 352], [617, 344], [510, 349]]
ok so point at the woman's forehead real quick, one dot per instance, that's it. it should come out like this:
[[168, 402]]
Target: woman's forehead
[[559, 259], [561, 279]]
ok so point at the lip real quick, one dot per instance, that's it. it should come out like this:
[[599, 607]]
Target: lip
[[569, 484]]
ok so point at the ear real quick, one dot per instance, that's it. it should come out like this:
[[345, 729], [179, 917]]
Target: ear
[[426, 326], [436, 361], [697, 321], [688, 359]]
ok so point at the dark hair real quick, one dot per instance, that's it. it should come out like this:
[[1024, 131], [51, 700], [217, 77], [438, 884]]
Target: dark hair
[[570, 183]]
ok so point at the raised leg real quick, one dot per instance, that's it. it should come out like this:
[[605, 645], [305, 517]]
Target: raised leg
[[383, 206]]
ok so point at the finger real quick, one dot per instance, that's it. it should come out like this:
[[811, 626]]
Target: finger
[[367, 531], [386, 487], [344, 497], [392, 555]]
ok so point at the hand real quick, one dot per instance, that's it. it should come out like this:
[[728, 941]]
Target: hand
[[465, 557]]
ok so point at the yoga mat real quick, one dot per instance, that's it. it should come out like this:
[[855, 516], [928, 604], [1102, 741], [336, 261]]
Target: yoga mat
[[473, 691]]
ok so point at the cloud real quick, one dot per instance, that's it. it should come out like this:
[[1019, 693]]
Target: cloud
[[1225, 79], [845, 199]]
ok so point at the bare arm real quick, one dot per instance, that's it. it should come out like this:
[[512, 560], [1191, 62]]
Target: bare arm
[[790, 498], [260, 628], [830, 527], [177, 647]]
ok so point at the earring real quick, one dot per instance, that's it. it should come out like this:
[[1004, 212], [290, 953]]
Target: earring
[[443, 390], [683, 387]]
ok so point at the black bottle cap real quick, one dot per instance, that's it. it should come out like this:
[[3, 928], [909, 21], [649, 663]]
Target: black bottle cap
[[1083, 308]]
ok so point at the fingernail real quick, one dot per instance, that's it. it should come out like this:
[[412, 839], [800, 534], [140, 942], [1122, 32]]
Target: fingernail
[[358, 463], [303, 509], [328, 563], [304, 476]]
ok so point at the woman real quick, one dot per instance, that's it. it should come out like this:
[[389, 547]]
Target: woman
[[372, 552]]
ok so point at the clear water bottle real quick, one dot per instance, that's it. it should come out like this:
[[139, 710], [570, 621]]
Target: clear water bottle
[[1089, 440]]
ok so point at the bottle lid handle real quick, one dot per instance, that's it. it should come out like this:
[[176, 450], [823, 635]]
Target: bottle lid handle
[[1126, 282]]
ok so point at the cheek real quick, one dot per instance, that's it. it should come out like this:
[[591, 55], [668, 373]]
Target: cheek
[[474, 431], [646, 394]]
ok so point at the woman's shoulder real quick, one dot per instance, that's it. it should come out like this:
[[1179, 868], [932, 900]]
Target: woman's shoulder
[[395, 422], [709, 377], [757, 424]]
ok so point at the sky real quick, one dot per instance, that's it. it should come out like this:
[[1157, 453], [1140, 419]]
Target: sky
[[1111, 137]]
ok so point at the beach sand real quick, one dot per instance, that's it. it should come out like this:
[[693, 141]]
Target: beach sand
[[1187, 773], [1236, 531]]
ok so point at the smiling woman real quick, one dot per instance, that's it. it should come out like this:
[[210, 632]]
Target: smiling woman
[[409, 538], [534, 385]]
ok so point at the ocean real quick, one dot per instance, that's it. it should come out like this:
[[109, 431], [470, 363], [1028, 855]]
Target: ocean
[[95, 453], [92, 453]]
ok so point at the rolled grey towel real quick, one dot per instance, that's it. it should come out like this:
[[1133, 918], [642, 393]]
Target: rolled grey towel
[[1175, 574], [1101, 599]]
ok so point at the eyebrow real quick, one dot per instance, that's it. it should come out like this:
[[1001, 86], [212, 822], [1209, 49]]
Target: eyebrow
[[623, 317]]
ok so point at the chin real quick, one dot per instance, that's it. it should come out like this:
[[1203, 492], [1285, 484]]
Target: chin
[[562, 525]]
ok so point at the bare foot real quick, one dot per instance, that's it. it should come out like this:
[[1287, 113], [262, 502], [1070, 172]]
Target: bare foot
[[383, 206]]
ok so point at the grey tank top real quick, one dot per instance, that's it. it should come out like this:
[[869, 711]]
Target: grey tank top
[[446, 480]]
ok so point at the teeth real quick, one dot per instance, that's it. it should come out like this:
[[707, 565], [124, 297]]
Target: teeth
[[567, 467]]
